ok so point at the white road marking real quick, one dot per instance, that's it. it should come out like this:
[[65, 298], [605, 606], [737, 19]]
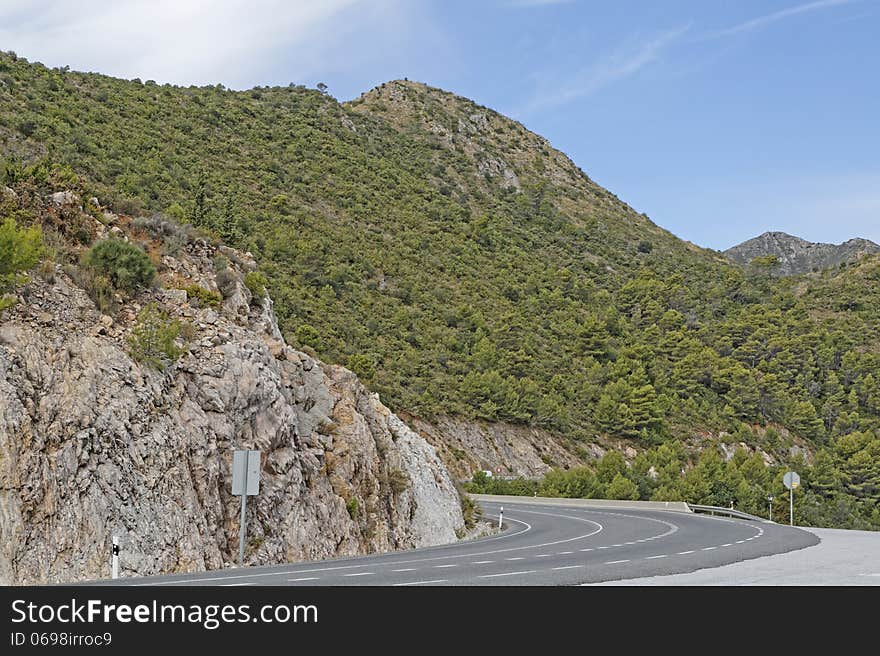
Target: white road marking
[[516, 558], [588, 549], [653, 557], [443, 566], [307, 578], [729, 544], [564, 553], [602, 547], [568, 567], [708, 548], [420, 582], [405, 569], [682, 553], [543, 555], [615, 562], [230, 585], [359, 574], [482, 562], [490, 576], [506, 535]]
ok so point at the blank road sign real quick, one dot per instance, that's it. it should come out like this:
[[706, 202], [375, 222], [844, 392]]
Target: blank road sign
[[246, 472], [791, 480]]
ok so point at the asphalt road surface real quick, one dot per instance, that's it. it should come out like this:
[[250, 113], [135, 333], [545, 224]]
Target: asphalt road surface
[[541, 545]]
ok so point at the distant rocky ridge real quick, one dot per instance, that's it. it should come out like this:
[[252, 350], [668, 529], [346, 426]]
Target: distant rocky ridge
[[796, 255]]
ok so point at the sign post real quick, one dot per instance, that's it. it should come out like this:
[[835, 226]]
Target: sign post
[[770, 499], [791, 480], [245, 482]]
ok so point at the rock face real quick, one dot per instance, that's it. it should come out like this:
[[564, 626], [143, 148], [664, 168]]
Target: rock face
[[94, 444], [468, 446], [797, 256]]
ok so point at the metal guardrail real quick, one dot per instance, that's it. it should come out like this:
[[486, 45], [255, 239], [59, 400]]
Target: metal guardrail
[[611, 504], [730, 512]]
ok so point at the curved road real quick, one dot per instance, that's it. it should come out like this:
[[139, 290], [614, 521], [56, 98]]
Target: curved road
[[541, 545]]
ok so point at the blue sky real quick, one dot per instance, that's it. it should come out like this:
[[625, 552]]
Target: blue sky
[[720, 120]]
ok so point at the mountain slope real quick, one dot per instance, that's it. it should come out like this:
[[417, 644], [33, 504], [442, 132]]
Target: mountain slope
[[455, 261], [796, 256]]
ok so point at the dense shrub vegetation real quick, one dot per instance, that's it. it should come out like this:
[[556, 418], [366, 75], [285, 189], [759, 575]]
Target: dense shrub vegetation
[[389, 242], [840, 487]]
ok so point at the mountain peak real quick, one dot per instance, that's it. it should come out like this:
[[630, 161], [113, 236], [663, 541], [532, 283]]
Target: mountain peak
[[797, 255]]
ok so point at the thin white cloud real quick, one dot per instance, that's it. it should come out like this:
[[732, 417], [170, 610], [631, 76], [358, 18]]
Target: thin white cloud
[[768, 19], [625, 62], [185, 41]]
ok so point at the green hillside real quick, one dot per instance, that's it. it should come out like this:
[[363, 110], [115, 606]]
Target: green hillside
[[458, 263]]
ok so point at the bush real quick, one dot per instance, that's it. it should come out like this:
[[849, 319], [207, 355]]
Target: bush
[[226, 282], [352, 507], [256, 282], [126, 266], [20, 250], [152, 341], [204, 297]]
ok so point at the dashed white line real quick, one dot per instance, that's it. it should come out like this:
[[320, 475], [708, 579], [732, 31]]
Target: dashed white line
[[615, 562], [543, 555], [232, 585], [516, 558], [568, 567], [482, 562], [360, 574], [305, 578], [587, 549], [729, 544], [444, 566], [420, 582], [564, 553], [658, 556], [405, 569], [708, 548], [490, 576], [682, 553]]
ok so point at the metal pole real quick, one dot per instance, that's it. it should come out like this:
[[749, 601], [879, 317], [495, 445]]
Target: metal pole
[[791, 506], [771, 509], [242, 529], [500, 517], [115, 559]]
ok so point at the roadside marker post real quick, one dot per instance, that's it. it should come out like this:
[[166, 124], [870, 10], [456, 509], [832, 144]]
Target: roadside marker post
[[500, 517], [114, 560], [245, 482], [770, 499]]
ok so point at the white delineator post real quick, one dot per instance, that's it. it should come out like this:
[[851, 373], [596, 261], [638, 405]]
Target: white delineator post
[[114, 563], [791, 506], [500, 517]]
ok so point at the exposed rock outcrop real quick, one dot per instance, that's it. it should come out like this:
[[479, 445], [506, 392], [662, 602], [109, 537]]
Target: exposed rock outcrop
[[468, 446], [94, 444], [796, 255]]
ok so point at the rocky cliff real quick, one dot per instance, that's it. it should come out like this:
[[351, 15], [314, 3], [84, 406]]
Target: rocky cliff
[[93, 444], [796, 255]]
